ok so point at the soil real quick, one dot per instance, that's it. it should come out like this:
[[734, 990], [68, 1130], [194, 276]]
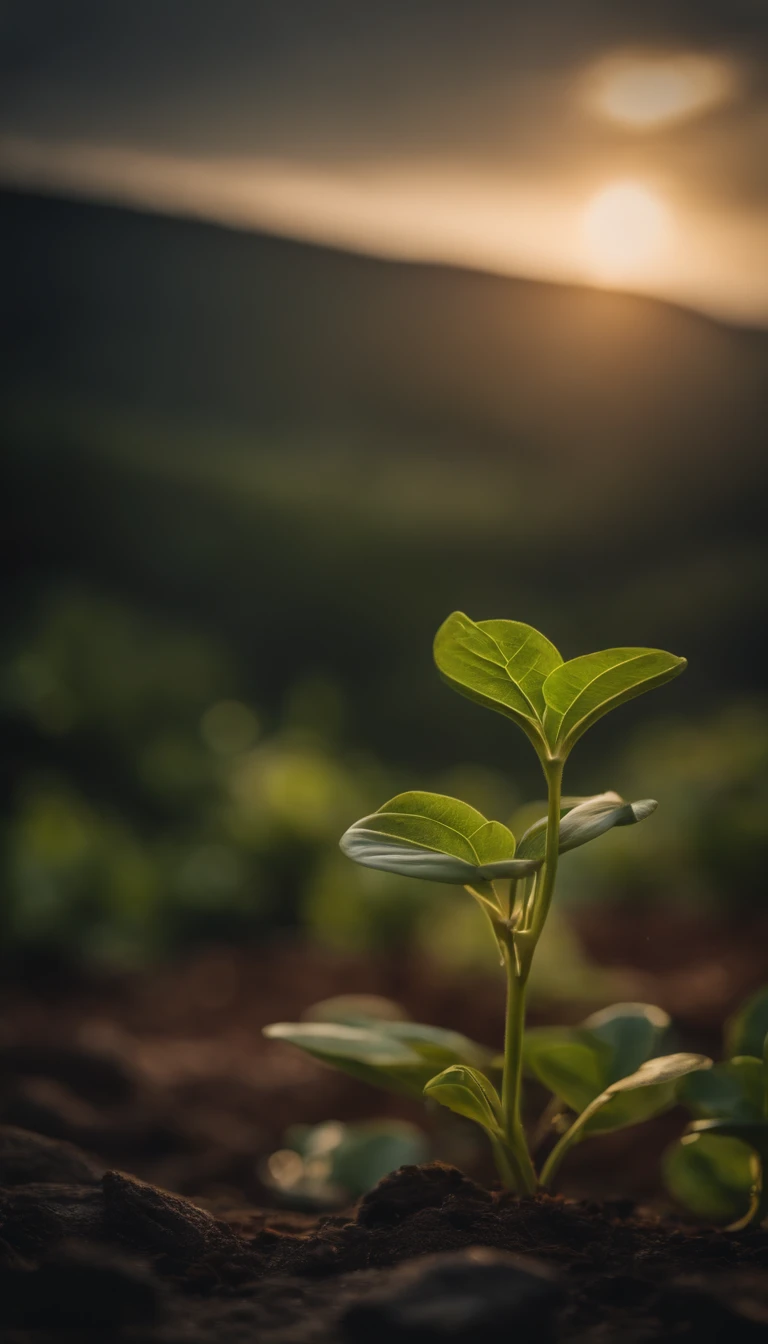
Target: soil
[[113, 1093], [84, 1250]]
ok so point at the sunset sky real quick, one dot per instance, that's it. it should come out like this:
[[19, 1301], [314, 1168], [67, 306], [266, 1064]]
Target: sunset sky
[[590, 140]]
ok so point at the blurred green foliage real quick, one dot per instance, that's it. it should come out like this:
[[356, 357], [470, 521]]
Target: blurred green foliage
[[708, 840], [152, 804]]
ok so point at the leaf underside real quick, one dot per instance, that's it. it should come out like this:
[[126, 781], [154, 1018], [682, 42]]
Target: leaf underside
[[585, 821], [431, 836], [396, 1055]]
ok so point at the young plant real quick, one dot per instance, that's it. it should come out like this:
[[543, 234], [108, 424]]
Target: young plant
[[513, 669], [719, 1169]]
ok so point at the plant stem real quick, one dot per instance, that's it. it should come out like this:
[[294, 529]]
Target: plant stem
[[513, 1069], [518, 955], [508, 1169], [568, 1139], [553, 771]]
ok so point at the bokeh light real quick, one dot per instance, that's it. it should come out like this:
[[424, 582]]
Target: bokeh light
[[624, 225], [643, 92]]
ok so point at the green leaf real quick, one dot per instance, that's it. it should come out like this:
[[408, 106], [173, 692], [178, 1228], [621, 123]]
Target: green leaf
[[752, 1132], [362, 1051], [585, 821], [371, 1149], [499, 664], [644, 1093], [468, 1092], [579, 692], [632, 1032], [712, 1176], [438, 1045], [655, 1080], [746, 1031], [340, 1162], [399, 1056], [733, 1090], [571, 1068], [577, 1064], [431, 836], [660, 1072]]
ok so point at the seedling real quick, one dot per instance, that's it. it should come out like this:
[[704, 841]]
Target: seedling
[[602, 1071], [719, 1169]]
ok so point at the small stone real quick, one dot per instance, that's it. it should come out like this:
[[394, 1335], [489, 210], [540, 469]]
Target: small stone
[[459, 1298]]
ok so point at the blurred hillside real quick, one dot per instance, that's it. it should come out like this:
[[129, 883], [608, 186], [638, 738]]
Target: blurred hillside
[[322, 454], [248, 472]]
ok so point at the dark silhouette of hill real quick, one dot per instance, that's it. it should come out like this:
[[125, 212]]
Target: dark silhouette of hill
[[246, 429]]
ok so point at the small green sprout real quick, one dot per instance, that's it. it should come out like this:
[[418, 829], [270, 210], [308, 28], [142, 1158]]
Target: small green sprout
[[604, 1071], [719, 1169]]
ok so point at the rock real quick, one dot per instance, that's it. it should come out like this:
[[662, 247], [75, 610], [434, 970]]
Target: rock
[[26, 1157], [158, 1223], [459, 1298], [82, 1286]]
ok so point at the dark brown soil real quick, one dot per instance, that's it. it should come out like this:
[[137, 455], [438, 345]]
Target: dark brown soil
[[80, 1249], [168, 1077]]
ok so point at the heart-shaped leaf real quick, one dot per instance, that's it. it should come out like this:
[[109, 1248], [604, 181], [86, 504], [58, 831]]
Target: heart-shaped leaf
[[584, 822], [400, 1056], [468, 1092], [500, 664], [431, 836], [579, 692], [746, 1031], [577, 1064], [656, 1079], [734, 1090], [711, 1176]]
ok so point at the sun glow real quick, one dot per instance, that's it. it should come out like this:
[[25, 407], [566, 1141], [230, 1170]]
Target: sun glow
[[643, 92], [624, 228]]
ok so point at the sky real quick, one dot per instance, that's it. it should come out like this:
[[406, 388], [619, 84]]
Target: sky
[[608, 142]]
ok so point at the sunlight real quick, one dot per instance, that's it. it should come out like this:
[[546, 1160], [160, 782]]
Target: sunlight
[[624, 226], [646, 91]]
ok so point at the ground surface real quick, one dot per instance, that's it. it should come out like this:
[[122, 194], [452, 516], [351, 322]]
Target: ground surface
[[85, 1249], [166, 1078]]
